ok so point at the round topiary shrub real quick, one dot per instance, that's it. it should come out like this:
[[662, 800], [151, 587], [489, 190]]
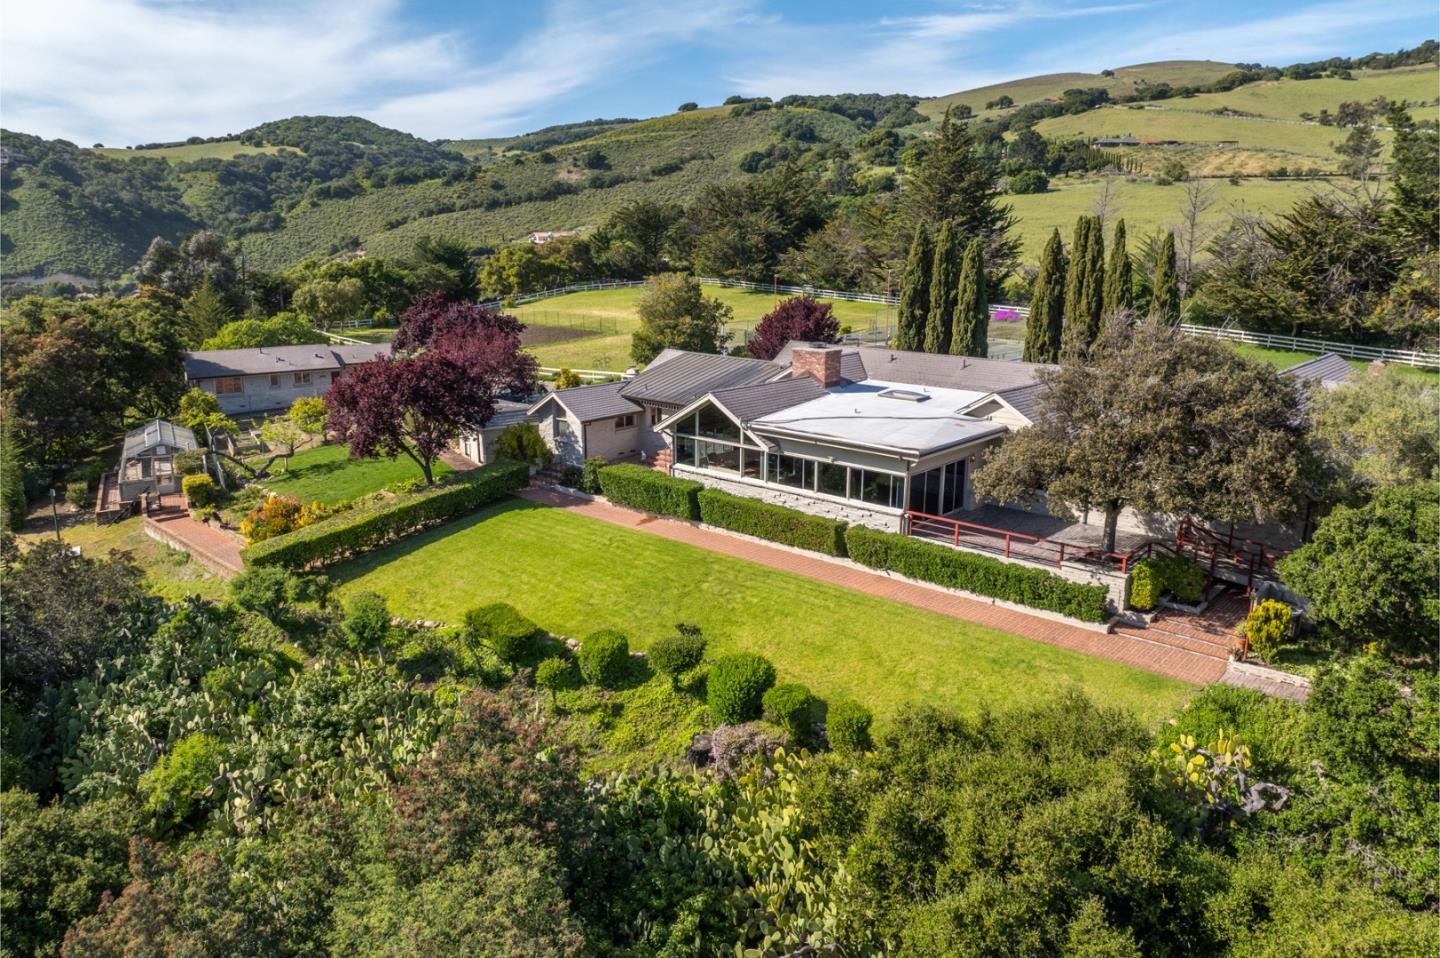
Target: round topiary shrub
[[737, 685], [789, 706], [677, 654], [553, 675], [847, 726], [605, 657], [503, 630]]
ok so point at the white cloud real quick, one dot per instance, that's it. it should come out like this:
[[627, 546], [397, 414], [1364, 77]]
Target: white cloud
[[120, 71]]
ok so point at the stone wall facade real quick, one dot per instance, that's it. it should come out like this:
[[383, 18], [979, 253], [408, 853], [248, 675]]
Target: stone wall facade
[[854, 513]]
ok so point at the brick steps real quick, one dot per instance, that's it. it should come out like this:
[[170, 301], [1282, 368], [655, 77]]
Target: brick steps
[[1159, 635]]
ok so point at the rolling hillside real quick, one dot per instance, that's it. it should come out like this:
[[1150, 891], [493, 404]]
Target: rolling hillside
[[319, 186]]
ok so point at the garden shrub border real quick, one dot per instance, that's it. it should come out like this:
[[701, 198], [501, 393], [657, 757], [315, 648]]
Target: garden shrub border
[[765, 520], [363, 529], [649, 490], [980, 574]]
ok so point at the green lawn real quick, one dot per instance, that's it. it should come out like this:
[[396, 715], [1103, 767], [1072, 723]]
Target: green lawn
[[168, 572], [1284, 358], [327, 474], [573, 575]]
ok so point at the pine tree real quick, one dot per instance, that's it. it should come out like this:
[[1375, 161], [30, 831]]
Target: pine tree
[[944, 288], [970, 335], [1047, 305], [954, 183], [205, 312], [1118, 295], [915, 292], [1165, 303], [12, 482]]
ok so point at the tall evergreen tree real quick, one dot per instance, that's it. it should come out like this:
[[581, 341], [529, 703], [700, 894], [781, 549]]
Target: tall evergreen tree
[[915, 291], [944, 289], [1118, 293], [970, 335], [955, 183], [1047, 305], [1165, 303], [12, 482], [1414, 181], [1084, 288]]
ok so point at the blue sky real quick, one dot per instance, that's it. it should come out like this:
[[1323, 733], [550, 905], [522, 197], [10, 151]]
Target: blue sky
[[128, 71]]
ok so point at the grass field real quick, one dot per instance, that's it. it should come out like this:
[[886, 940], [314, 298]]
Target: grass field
[[327, 474], [168, 572], [223, 150], [614, 309], [1053, 85], [1287, 99], [574, 575], [1284, 358], [1145, 206]]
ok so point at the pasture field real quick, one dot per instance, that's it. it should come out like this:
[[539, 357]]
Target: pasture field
[[1145, 206], [223, 150], [574, 575], [1287, 99], [1052, 85]]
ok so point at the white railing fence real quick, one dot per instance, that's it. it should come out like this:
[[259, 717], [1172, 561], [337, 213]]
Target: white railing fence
[[1300, 344]]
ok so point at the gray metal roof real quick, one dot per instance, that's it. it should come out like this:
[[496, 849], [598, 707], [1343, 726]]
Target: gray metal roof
[[747, 403], [589, 403], [1024, 399], [210, 363], [1329, 369], [942, 371], [157, 432], [685, 377]]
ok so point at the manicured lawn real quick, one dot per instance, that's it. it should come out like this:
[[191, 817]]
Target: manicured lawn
[[1284, 358], [574, 575], [327, 474]]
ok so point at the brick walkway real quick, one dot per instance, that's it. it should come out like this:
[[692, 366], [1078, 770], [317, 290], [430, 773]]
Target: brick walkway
[[1130, 650], [455, 460], [211, 546]]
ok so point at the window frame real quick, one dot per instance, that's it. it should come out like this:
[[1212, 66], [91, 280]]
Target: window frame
[[223, 385]]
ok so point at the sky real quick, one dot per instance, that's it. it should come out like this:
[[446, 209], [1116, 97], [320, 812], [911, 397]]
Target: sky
[[122, 72]]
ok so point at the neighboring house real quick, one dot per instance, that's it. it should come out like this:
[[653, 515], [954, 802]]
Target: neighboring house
[[541, 237], [1328, 371], [147, 465], [267, 378], [480, 446]]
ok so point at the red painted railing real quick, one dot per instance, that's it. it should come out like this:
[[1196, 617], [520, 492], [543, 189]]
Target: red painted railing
[[1019, 545]]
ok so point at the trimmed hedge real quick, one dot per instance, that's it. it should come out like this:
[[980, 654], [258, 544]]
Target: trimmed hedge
[[605, 657], [677, 654], [1182, 578], [503, 630], [976, 573], [649, 490], [789, 706], [200, 491], [736, 687], [765, 520], [1144, 586], [362, 529], [847, 726]]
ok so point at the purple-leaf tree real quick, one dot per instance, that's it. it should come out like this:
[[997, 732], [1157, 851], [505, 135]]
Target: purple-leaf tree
[[451, 363], [800, 318]]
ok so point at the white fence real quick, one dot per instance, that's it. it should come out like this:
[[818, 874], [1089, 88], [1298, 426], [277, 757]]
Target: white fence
[[1408, 357], [586, 375]]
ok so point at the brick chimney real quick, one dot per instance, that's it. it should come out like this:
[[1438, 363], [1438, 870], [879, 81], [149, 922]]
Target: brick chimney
[[818, 360]]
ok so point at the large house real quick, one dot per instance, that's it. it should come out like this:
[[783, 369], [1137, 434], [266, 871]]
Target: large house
[[268, 378]]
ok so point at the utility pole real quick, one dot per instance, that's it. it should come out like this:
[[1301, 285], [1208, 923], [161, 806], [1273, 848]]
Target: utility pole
[[55, 515]]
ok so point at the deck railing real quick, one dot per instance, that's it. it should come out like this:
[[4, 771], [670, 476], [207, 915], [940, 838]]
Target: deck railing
[[1020, 545]]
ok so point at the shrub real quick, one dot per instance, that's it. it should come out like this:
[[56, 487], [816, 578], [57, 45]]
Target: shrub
[[847, 726], [1144, 587], [605, 657], [976, 573], [737, 686], [776, 523], [677, 654], [263, 589], [789, 706], [181, 784], [733, 747], [277, 515], [188, 462], [522, 442], [1267, 627], [572, 477], [591, 482], [200, 491], [77, 493], [566, 379], [648, 490], [362, 529], [1028, 181], [367, 623], [504, 631], [554, 675]]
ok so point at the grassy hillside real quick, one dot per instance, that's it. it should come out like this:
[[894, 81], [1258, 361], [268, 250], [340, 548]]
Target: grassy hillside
[[1126, 80], [220, 150], [1287, 99]]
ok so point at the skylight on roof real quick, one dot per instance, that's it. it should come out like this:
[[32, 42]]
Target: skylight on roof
[[905, 395]]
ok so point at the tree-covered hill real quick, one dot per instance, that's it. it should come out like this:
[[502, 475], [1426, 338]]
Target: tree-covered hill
[[318, 186]]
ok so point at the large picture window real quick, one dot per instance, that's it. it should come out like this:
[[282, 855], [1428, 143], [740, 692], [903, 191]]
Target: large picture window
[[791, 471], [832, 479], [718, 455], [711, 423], [878, 488]]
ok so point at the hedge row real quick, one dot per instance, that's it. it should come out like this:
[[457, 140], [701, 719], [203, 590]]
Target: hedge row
[[366, 528], [1182, 578], [650, 490], [776, 523], [976, 573]]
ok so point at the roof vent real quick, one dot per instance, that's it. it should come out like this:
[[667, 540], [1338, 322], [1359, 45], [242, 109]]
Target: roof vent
[[906, 395]]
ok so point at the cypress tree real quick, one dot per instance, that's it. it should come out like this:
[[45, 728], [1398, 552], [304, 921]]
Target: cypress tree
[[1095, 280], [1047, 305], [915, 292], [970, 335], [1084, 288], [1075, 272], [12, 483], [1165, 303], [944, 288], [1118, 294]]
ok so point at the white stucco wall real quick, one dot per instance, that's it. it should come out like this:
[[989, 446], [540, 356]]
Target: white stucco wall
[[260, 397]]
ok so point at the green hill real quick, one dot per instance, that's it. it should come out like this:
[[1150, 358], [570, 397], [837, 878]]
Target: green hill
[[311, 186]]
